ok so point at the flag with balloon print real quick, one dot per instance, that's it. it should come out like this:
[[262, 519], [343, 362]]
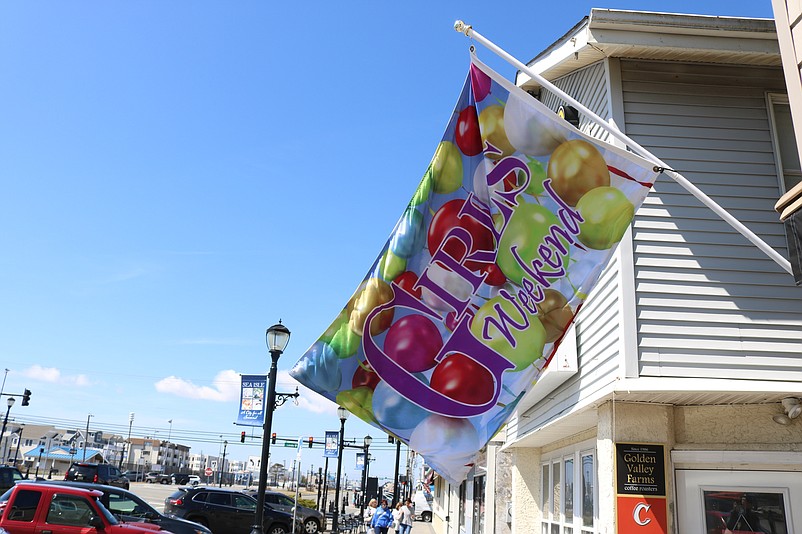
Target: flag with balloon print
[[515, 218]]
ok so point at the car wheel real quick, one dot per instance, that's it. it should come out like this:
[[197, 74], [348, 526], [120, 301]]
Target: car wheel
[[148, 481], [427, 517], [276, 528], [311, 526]]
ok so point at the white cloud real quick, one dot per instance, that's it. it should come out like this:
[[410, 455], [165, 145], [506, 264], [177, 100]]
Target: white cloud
[[54, 375], [225, 387], [308, 399]]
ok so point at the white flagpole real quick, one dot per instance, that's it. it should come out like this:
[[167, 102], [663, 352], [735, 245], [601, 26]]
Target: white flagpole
[[615, 132]]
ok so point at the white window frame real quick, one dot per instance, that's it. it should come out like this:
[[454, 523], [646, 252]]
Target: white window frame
[[558, 525], [782, 172]]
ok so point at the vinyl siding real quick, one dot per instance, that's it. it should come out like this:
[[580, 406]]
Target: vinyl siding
[[597, 322], [708, 302]]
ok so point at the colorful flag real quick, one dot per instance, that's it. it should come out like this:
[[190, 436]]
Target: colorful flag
[[252, 400], [506, 235]]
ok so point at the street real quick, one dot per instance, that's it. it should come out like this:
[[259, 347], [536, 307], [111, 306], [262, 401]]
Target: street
[[156, 493]]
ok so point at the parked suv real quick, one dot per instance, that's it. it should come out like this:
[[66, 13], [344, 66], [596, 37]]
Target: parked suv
[[97, 473], [154, 477], [8, 477], [311, 520], [224, 510], [131, 508]]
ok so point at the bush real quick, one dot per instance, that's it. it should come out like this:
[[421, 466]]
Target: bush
[[309, 503]]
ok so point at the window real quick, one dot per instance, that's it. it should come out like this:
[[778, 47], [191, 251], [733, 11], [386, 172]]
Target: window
[[69, 510], [569, 507], [461, 512], [479, 504], [24, 507], [243, 502], [219, 498], [785, 150]]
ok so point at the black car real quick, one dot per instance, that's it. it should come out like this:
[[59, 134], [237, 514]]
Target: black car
[[96, 473], [224, 511], [131, 508], [8, 477]]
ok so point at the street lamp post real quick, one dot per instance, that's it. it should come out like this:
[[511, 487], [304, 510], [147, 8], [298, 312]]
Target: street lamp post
[[10, 402], [277, 337], [342, 413], [223, 464], [367, 441], [130, 424], [19, 441], [396, 492], [86, 437]]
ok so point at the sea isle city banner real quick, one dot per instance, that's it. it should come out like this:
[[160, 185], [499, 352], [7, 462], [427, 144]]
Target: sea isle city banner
[[507, 233], [252, 400]]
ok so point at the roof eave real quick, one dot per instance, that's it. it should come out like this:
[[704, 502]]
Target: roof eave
[[657, 36]]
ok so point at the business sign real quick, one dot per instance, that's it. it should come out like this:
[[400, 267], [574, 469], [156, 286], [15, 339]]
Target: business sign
[[332, 444], [640, 485], [252, 400]]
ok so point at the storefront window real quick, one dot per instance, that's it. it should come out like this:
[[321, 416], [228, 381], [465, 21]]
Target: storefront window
[[560, 492], [478, 505], [461, 512], [588, 491], [740, 511]]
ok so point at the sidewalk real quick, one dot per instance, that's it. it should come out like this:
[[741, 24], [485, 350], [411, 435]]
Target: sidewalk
[[418, 527]]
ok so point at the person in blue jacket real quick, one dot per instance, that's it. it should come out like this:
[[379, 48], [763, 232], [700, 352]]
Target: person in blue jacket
[[382, 519]]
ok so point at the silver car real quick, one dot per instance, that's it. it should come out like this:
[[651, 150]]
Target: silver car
[[310, 519]]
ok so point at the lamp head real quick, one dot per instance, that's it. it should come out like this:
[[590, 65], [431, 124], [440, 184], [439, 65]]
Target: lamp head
[[277, 337], [342, 413], [368, 440], [11, 401], [792, 407]]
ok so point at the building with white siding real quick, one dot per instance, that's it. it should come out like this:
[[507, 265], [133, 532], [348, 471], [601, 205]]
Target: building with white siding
[[663, 410]]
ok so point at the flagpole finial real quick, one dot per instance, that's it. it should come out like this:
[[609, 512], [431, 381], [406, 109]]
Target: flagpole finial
[[463, 28]]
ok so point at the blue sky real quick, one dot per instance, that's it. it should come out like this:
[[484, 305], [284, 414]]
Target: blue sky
[[178, 176]]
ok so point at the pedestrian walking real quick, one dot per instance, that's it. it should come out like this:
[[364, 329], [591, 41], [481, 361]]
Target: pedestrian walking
[[396, 518], [382, 518], [369, 511], [407, 513]]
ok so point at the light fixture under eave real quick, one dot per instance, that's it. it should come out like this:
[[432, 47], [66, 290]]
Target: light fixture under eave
[[792, 407], [781, 419]]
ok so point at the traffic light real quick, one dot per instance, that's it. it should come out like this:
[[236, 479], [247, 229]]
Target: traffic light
[[26, 397], [311, 441], [273, 439], [242, 437]]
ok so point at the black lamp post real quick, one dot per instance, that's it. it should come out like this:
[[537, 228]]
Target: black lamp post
[[367, 441], [19, 441], [278, 336], [130, 424], [396, 492], [342, 413], [10, 401]]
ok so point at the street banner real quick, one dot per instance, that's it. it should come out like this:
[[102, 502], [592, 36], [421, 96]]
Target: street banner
[[360, 461], [252, 400], [515, 218], [332, 444]]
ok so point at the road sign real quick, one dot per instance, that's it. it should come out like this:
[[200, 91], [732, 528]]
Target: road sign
[[208, 472], [292, 444]]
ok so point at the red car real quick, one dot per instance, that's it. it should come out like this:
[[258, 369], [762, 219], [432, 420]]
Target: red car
[[36, 508]]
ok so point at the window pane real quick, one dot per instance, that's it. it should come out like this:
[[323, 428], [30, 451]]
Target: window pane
[[555, 469], [744, 511], [569, 491], [545, 492], [587, 491]]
